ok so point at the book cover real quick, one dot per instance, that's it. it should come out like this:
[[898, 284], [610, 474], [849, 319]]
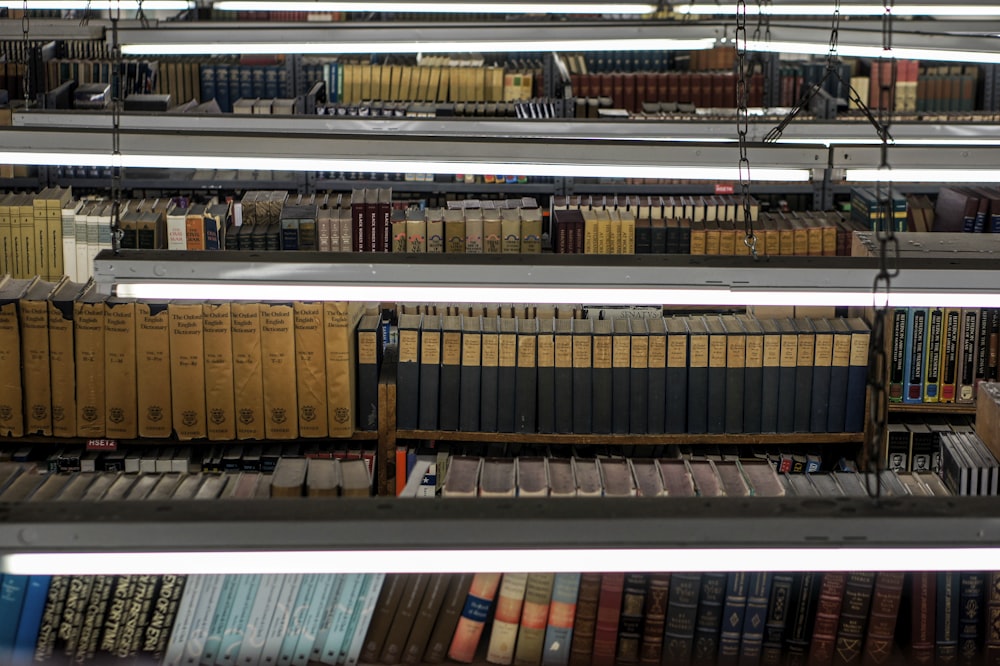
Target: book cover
[[822, 372], [489, 387], [733, 613], [656, 375], [88, 320], [857, 376], [609, 609], [708, 621], [755, 620], [546, 388], [219, 399], [62, 358], [369, 357], [581, 646], [507, 375], [966, 375], [120, 369], [563, 395], [582, 376], [631, 620], [408, 372], [248, 377], [402, 620], [561, 619], [277, 351], [950, 346], [824, 638], [804, 370], [430, 372], [916, 343], [682, 611], [423, 625], [717, 371], [35, 358], [897, 354], [621, 359], [534, 617], [526, 377], [602, 375], [448, 617], [932, 355], [470, 376], [310, 368], [778, 608], [736, 369], [787, 376], [854, 617], [878, 640], [470, 625]]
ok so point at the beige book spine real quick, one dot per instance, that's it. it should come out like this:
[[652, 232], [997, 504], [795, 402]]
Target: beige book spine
[[120, 370], [187, 370], [310, 369], [11, 397], [339, 321], [277, 351], [62, 371], [248, 381], [152, 362], [35, 363], [88, 320], [220, 403]]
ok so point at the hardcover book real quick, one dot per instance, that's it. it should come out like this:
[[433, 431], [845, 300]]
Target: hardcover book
[[62, 358], [248, 375], [220, 405], [408, 373], [547, 394], [717, 372], [451, 371], [277, 351], [526, 376], [507, 375], [470, 375], [490, 375], [88, 320], [35, 358], [697, 376], [310, 368], [563, 397], [561, 619], [819, 411], [602, 374], [582, 376], [621, 359], [682, 613], [656, 374], [120, 369], [788, 395]]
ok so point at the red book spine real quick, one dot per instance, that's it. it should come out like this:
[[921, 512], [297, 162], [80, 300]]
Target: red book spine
[[924, 603], [831, 595], [608, 613], [662, 80], [882, 623], [358, 237]]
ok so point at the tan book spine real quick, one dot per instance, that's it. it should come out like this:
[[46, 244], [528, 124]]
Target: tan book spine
[[534, 619], [248, 381], [310, 369], [152, 354], [507, 618], [39, 239], [36, 367], [277, 351], [11, 397], [88, 321], [339, 321], [62, 370], [220, 404], [187, 370], [28, 239], [120, 370]]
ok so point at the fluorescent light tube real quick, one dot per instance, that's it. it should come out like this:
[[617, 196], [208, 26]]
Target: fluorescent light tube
[[923, 175], [581, 560], [98, 5], [857, 51], [846, 9], [263, 162], [215, 47], [491, 294], [437, 7]]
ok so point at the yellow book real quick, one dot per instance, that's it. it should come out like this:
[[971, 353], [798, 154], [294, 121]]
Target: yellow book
[[217, 325], [310, 368], [627, 232], [277, 351], [120, 369]]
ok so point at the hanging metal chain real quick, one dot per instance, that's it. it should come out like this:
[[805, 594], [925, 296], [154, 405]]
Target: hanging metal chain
[[117, 94], [26, 55], [743, 123], [878, 368]]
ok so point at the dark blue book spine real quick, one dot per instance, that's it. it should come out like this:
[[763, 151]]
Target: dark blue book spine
[[488, 399], [222, 88], [601, 396], [525, 401], [682, 611], [408, 381], [709, 620], [469, 410], [207, 72], [236, 84], [258, 81], [857, 382], [839, 377], [656, 397], [819, 412], [948, 611], [620, 399], [755, 619], [246, 82], [564, 399], [753, 403], [786, 400], [970, 622], [778, 610], [735, 380], [638, 394], [30, 620], [803, 397], [733, 612], [506, 397]]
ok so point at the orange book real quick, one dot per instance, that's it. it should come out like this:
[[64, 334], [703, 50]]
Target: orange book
[[482, 592], [194, 225]]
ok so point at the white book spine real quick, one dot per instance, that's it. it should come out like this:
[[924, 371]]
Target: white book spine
[[264, 607], [300, 612], [347, 586], [327, 588], [208, 601], [281, 619], [176, 232], [364, 615], [354, 589], [504, 633], [232, 635], [183, 625], [220, 617]]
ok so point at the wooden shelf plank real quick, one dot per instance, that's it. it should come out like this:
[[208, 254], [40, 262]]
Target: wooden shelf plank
[[931, 408], [559, 438], [359, 435]]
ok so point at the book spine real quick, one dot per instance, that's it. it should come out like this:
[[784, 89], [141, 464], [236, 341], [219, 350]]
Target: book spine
[[562, 616], [697, 385], [451, 377], [854, 617], [950, 349], [35, 384], [89, 343], [277, 346], [470, 382], [505, 623], [586, 619], [582, 383], [947, 615], [507, 382], [709, 619], [819, 409], [804, 370], [839, 374], [608, 615], [360, 618], [716, 390], [164, 614], [30, 622], [490, 383], [882, 620], [734, 611], [736, 358], [777, 618], [564, 381], [430, 606], [857, 380], [755, 619], [447, 619], [470, 625], [620, 379], [932, 356], [631, 620], [656, 395], [753, 384], [430, 377], [385, 610], [603, 385], [681, 618], [526, 384], [547, 395], [923, 588], [970, 621], [639, 385], [403, 618], [967, 356], [897, 355], [654, 618], [344, 620], [802, 614], [824, 637], [769, 383], [787, 383], [534, 616], [916, 322]]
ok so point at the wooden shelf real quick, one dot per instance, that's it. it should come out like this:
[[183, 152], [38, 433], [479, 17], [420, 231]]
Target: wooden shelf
[[684, 438], [359, 435], [931, 408]]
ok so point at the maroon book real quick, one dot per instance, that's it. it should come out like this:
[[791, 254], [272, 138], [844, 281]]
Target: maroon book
[[609, 610], [824, 639], [882, 620]]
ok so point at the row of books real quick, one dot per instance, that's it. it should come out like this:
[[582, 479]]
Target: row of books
[[630, 91], [77, 363], [31, 233], [915, 445], [534, 107], [598, 62], [531, 619], [967, 209], [802, 234], [659, 375], [942, 354], [137, 76], [868, 208], [696, 208]]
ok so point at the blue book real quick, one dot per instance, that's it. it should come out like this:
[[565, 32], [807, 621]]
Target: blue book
[[363, 613], [755, 619], [562, 613], [236, 625], [327, 588], [341, 612], [948, 611], [283, 89], [246, 82], [220, 619], [235, 77], [258, 81], [271, 81], [733, 612], [222, 88], [857, 376], [354, 617], [296, 621], [207, 82], [31, 620]]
